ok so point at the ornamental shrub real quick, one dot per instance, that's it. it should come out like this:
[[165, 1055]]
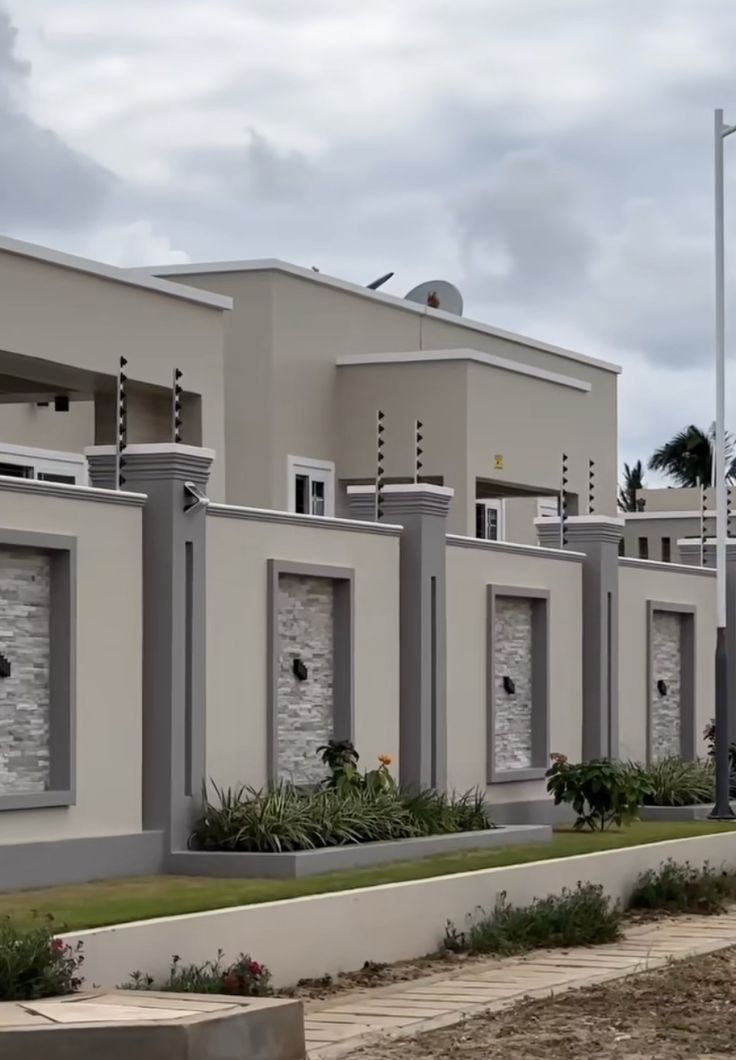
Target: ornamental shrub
[[601, 792], [34, 963]]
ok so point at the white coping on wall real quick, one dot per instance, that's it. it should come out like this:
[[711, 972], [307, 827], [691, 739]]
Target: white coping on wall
[[655, 564], [318, 522], [276, 265], [152, 447], [112, 272], [403, 487], [579, 520], [10, 484], [538, 551], [491, 360], [694, 513], [297, 938]]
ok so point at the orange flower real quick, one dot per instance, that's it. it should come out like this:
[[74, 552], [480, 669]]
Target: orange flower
[[385, 760]]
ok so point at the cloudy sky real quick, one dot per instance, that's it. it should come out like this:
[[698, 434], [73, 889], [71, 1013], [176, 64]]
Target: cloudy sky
[[551, 157]]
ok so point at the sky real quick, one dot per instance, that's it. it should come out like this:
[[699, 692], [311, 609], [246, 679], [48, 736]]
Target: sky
[[553, 158]]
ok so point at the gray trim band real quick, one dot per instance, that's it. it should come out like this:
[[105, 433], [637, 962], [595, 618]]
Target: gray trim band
[[669, 568], [314, 522], [61, 861], [343, 649], [62, 669], [538, 551], [540, 683], [688, 721]]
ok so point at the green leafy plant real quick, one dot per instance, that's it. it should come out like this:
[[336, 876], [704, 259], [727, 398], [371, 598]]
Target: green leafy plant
[[243, 977], [34, 963], [436, 813], [601, 792], [709, 735], [676, 888], [350, 808], [674, 782], [584, 916], [341, 758]]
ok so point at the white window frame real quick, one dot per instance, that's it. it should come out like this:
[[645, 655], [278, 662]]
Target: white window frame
[[45, 461], [497, 504], [325, 472]]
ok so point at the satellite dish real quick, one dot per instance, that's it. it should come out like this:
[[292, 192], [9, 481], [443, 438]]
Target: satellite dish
[[438, 294]]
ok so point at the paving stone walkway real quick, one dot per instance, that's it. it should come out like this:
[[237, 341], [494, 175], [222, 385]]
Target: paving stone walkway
[[338, 1026]]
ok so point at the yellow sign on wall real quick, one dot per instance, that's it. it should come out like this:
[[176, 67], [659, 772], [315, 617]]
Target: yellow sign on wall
[[498, 458]]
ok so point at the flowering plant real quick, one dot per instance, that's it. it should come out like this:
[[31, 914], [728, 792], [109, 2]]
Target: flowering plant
[[244, 977], [36, 963]]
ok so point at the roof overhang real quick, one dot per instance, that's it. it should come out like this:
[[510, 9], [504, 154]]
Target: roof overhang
[[128, 277]]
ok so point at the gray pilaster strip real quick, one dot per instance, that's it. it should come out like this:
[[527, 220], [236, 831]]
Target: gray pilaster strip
[[174, 685], [422, 510], [598, 538]]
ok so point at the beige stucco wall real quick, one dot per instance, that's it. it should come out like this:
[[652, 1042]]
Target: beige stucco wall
[[675, 499], [285, 395], [531, 423], [108, 676], [238, 551], [470, 570], [42, 428], [654, 529], [435, 394], [639, 583], [87, 322]]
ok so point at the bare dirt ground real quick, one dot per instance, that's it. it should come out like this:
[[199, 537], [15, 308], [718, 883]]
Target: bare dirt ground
[[686, 1011]]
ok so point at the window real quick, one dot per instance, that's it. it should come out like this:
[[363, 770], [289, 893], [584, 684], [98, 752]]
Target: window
[[666, 550], [643, 548], [489, 520], [16, 470], [311, 486], [45, 465], [621, 547]]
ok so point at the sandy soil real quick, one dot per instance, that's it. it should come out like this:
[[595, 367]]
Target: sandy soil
[[686, 1010]]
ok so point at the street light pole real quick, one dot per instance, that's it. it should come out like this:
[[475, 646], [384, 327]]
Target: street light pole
[[722, 808]]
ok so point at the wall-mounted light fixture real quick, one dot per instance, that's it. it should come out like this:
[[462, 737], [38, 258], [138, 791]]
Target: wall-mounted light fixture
[[4, 666], [300, 671], [662, 687], [195, 499], [509, 685]]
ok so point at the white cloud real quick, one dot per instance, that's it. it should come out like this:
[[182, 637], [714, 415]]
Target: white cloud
[[553, 156], [128, 245]]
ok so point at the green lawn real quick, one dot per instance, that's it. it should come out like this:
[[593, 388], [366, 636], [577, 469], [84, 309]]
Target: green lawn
[[117, 901]]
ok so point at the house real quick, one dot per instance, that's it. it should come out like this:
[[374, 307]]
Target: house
[[236, 603], [306, 363], [670, 522]]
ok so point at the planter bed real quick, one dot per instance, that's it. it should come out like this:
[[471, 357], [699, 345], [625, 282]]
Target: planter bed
[[698, 812], [294, 865]]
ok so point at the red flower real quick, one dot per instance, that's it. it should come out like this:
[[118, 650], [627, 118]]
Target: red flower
[[57, 946], [255, 968]]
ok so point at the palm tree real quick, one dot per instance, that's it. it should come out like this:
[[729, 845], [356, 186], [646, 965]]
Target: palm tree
[[633, 482], [688, 457]]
